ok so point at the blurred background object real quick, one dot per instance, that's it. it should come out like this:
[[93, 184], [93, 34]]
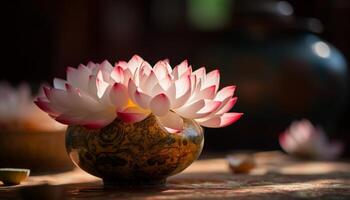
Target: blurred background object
[[241, 163], [283, 71], [280, 54], [11, 176], [304, 140], [18, 112], [29, 138]]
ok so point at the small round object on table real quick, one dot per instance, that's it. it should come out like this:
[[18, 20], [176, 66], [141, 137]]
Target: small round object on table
[[13, 176], [241, 163]]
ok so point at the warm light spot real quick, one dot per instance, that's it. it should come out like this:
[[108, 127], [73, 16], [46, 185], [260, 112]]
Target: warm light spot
[[132, 105], [321, 49]]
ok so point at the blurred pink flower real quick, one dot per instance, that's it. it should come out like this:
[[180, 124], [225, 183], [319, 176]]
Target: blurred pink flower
[[96, 94], [302, 139], [18, 112], [14, 102]]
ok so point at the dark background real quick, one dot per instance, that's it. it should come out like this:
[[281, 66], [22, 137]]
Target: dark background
[[41, 38]]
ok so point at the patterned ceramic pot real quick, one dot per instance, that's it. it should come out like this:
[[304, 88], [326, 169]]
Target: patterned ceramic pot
[[139, 154]]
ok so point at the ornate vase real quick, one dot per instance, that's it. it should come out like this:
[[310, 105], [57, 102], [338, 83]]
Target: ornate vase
[[138, 154]]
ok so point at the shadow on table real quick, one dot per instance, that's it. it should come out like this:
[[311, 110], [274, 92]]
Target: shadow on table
[[211, 185], [280, 179], [226, 186]]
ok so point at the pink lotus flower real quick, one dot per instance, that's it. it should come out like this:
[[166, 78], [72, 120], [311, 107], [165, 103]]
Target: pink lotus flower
[[304, 140], [96, 94], [17, 110], [14, 102]]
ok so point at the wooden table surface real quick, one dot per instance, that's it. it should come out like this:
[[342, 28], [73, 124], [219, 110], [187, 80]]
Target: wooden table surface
[[276, 177]]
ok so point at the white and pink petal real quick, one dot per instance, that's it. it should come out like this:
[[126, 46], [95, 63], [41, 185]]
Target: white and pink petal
[[132, 115], [171, 122], [220, 120], [119, 95], [160, 105]]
